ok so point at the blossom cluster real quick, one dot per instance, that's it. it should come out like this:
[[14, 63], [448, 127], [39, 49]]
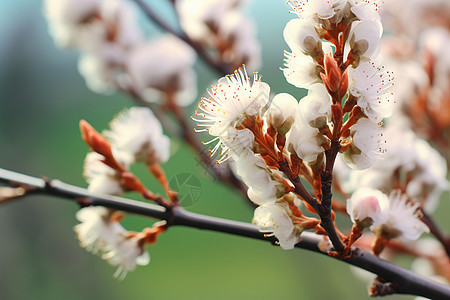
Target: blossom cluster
[[223, 27], [289, 153], [334, 53], [419, 50], [135, 136], [410, 164], [116, 55]]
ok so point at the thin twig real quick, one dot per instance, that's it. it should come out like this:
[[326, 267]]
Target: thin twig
[[324, 211], [436, 231], [407, 281], [223, 69]]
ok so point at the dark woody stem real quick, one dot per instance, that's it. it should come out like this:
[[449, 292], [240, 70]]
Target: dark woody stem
[[436, 231], [325, 214], [300, 189], [323, 209], [406, 282], [326, 177]]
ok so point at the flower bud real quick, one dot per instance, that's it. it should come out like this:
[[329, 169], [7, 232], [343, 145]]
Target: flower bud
[[332, 76], [364, 40], [281, 112], [301, 35], [365, 205]]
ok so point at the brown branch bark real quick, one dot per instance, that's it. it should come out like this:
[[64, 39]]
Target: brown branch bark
[[406, 282]]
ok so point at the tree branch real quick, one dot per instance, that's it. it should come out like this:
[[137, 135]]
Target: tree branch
[[407, 281], [436, 231]]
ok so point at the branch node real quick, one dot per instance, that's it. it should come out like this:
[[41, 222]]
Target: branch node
[[380, 287]]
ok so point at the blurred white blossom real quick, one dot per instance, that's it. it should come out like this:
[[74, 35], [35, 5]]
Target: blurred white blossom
[[222, 26], [163, 68], [98, 232], [125, 253], [101, 178], [137, 135], [406, 156], [400, 219], [388, 217]]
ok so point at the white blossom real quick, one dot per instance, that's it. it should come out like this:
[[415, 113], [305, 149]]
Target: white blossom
[[199, 17], [400, 219], [240, 32], [367, 144], [100, 27], [366, 205], [301, 36], [221, 25], [98, 74], [275, 218], [102, 30], [96, 229], [281, 112], [430, 174], [101, 178], [315, 108], [372, 86], [411, 75], [234, 143], [232, 100], [125, 254], [364, 40], [390, 217], [253, 171], [300, 66], [306, 142], [406, 156], [137, 134], [436, 41], [408, 18], [66, 16], [100, 234], [366, 10], [301, 70], [323, 9], [312, 113], [163, 66]]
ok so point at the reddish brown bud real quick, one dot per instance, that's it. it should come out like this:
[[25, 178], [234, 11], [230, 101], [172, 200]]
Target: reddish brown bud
[[132, 182], [95, 140], [336, 113], [344, 84], [325, 81], [98, 143], [150, 235], [332, 73]]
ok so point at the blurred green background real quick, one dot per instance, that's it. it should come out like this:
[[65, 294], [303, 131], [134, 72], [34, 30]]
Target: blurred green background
[[42, 99]]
